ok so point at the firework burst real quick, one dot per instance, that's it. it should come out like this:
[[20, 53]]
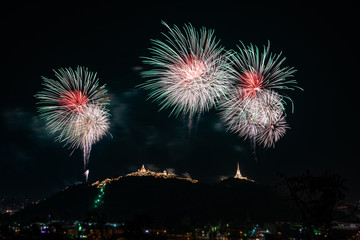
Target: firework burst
[[190, 73], [272, 132], [74, 109], [253, 109], [247, 116], [255, 71]]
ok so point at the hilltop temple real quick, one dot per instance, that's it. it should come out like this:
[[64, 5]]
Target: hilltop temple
[[146, 172], [143, 172]]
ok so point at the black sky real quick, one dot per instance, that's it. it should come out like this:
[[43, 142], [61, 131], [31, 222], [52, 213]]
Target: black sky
[[318, 40]]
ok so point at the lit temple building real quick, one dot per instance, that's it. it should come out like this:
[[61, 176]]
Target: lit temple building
[[143, 172], [239, 176], [146, 172]]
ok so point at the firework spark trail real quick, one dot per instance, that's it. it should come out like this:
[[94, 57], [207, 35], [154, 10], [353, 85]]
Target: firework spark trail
[[253, 109], [189, 71], [90, 125], [74, 109]]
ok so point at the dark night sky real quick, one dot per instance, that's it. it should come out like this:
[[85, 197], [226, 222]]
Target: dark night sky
[[319, 41]]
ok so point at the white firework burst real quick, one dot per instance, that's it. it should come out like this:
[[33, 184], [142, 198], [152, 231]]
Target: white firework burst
[[190, 73], [272, 132], [247, 116], [90, 126]]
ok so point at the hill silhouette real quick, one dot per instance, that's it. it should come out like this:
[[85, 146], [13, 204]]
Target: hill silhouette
[[170, 201]]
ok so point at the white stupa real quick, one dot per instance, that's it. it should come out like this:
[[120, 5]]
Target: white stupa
[[143, 169], [239, 176]]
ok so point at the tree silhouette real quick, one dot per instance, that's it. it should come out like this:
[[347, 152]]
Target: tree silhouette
[[316, 198]]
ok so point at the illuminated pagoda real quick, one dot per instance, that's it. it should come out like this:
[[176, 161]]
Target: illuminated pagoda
[[239, 176]]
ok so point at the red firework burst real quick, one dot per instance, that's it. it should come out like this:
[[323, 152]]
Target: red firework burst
[[252, 82], [75, 100]]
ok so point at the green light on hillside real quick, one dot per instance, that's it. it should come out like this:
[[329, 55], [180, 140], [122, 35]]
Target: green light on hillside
[[98, 201]]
